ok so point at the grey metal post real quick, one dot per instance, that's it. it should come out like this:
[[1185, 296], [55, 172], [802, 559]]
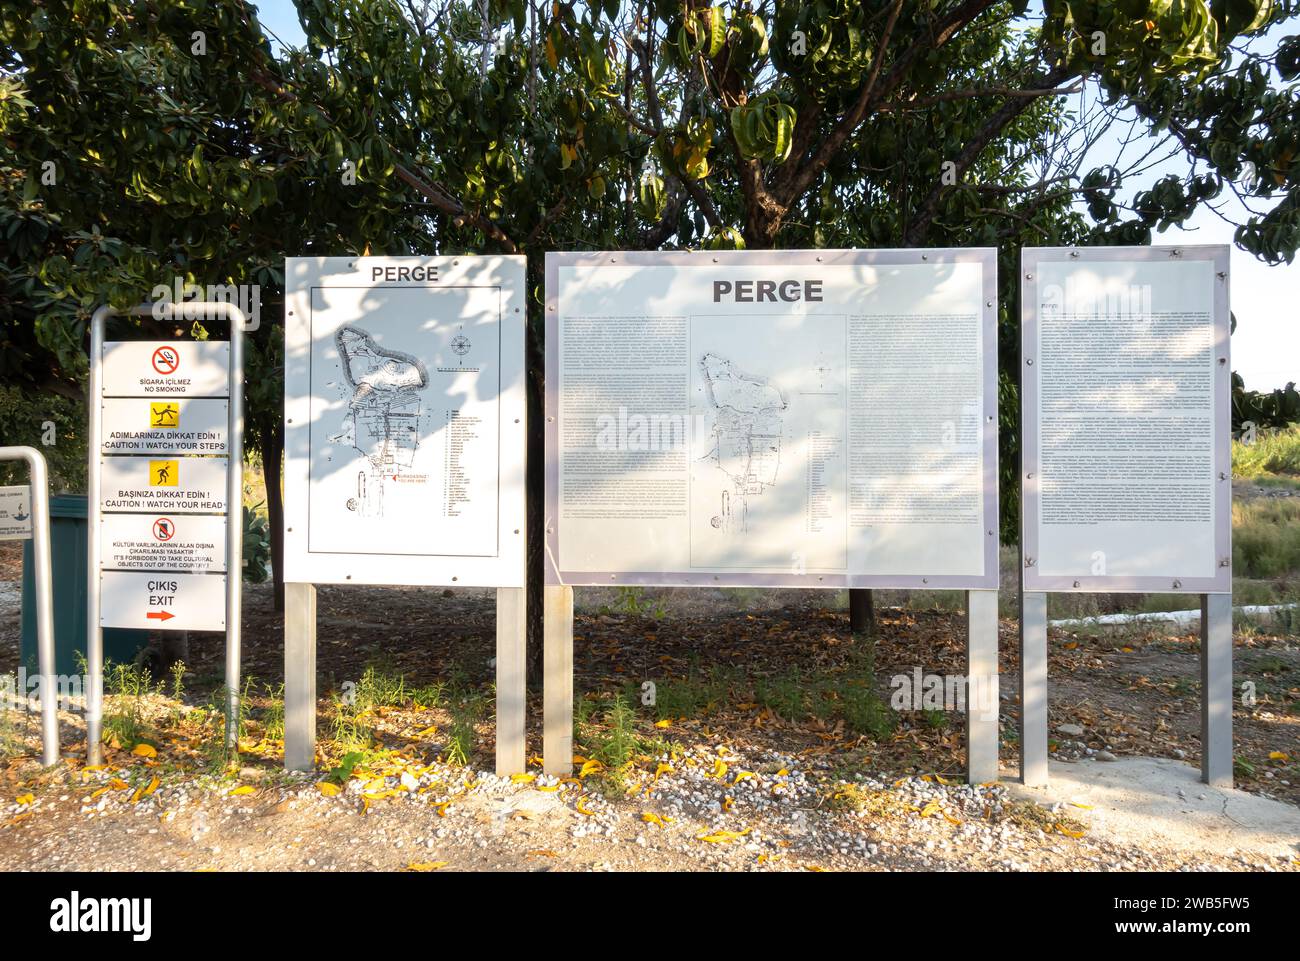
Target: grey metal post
[[94, 633], [1033, 688], [1216, 689], [982, 703], [557, 680], [300, 677], [234, 522], [512, 674], [40, 489], [190, 310]]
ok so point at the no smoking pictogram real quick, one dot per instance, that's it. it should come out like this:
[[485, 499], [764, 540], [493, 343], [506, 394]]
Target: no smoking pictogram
[[164, 529], [166, 360]]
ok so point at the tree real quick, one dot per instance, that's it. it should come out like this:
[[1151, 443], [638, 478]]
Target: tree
[[180, 144]]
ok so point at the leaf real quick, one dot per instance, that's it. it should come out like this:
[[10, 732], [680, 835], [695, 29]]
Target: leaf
[[25, 799], [145, 791], [523, 778], [1070, 834], [932, 808], [242, 790], [722, 837], [663, 724], [144, 750], [649, 817], [421, 866], [1278, 756], [590, 767], [328, 788], [581, 809]]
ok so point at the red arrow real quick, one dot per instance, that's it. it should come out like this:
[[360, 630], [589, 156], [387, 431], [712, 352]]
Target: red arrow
[[160, 615]]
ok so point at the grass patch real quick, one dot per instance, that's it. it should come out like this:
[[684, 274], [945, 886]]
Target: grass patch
[[1266, 537], [1028, 815], [1273, 452]]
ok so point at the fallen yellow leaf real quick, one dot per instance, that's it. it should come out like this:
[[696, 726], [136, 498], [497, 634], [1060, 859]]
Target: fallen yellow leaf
[[242, 790], [145, 791], [649, 817], [328, 788], [723, 837], [426, 865], [144, 750], [25, 798]]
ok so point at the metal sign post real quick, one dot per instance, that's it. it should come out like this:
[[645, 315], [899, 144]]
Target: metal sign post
[[38, 529], [159, 471]]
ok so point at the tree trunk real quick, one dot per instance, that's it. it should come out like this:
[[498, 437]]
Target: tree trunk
[[272, 451], [862, 611]]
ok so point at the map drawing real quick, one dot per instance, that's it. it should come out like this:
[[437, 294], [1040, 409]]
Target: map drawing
[[748, 419], [383, 417]]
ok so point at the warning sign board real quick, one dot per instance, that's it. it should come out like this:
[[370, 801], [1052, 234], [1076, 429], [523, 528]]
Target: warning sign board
[[155, 542], [15, 513], [165, 426], [167, 602], [181, 485], [179, 368]]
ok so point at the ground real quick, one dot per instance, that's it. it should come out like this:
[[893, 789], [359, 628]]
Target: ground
[[771, 745]]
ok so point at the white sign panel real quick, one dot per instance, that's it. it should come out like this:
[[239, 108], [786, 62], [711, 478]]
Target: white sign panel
[[405, 420], [1127, 429], [177, 368], [805, 418], [16, 513], [170, 485], [167, 602], [165, 425], [157, 542]]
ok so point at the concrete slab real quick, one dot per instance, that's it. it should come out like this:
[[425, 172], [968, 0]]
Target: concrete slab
[[1154, 801]]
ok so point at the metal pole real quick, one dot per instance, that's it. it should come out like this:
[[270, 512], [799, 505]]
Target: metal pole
[[299, 677], [40, 490], [1033, 688], [557, 680], [235, 521], [94, 634], [982, 687], [1216, 689]]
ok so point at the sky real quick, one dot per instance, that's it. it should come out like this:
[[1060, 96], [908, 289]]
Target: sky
[[1265, 299]]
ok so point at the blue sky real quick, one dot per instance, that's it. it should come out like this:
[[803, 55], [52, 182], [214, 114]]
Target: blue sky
[[1265, 299]]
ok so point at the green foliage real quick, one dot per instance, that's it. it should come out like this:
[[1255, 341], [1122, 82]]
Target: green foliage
[[125, 688], [1266, 537], [1277, 408], [24, 413], [1271, 453], [257, 546]]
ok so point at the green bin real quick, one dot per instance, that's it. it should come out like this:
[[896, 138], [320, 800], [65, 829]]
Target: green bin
[[68, 555]]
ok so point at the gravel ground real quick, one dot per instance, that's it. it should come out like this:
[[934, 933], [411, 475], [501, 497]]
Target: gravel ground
[[709, 809]]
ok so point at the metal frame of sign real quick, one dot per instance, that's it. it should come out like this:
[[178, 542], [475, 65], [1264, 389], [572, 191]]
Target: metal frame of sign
[[985, 256], [1215, 592], [505, 569], [234, 506]]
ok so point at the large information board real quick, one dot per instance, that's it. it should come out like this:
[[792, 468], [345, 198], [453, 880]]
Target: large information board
[[778, 418], [1126, 391], [405, 420]]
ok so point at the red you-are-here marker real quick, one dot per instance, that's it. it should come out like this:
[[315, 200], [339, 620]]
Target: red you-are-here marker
[[166, 360]]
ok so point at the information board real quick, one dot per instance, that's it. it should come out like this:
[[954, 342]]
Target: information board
[[405, 420], [1126, 394], [800, 418], [163, 429]]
